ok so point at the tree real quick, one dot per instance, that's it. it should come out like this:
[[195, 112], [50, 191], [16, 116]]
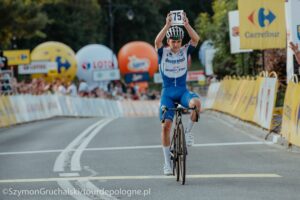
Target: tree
[[145, 25], [73, 22], [216, 29], [21, 19]]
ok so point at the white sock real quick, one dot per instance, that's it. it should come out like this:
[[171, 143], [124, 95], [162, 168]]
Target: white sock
[[167, 155], [189, 126]]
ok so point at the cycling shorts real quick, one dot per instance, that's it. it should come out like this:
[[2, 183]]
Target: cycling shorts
[[172, 95]]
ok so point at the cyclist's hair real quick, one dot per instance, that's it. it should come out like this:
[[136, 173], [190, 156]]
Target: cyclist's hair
[[175, 33]]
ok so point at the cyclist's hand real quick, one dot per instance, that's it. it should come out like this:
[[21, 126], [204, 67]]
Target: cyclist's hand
[[294, 47], [185, 19], [169, 19]]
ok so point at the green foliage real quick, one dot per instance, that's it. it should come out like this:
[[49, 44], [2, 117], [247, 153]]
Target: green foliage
[[78, 23], [216, 29], [144, 26], [74, 22], [22, 19]]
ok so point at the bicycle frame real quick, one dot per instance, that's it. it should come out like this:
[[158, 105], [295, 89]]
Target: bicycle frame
[[178, 146]]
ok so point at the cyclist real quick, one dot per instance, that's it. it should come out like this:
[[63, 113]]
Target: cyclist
[[173, 69]]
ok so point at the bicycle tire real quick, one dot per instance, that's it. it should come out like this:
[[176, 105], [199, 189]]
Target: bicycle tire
[[177, 147], [173, 153], [182, 153]]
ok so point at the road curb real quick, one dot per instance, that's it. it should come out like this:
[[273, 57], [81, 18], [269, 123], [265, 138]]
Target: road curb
[[253, 130]]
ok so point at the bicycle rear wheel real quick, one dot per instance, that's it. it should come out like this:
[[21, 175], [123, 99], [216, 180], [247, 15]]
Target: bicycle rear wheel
[[182, 153], [177, 148], [173, 153]]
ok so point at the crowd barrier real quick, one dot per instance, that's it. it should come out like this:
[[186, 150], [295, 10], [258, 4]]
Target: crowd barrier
[[25, 108], [250, 99], [290, 128]]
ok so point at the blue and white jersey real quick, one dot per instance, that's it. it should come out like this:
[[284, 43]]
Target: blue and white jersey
[[173, 66]]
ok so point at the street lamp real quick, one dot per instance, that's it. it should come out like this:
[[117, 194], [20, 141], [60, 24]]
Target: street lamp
[[112, 8], [14, 42]]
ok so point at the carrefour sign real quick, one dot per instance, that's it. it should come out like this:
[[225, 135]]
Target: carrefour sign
[[262, 24]]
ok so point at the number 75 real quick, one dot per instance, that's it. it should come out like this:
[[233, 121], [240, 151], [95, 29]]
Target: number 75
[[177, 16]]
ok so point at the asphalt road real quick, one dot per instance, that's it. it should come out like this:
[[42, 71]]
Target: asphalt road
[[89, 158]]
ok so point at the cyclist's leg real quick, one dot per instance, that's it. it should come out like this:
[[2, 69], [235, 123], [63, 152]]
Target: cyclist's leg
[[190, 99], [165, 134]]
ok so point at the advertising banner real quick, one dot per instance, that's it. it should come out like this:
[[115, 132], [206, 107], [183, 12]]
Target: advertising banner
[[17, 57], [37, 67], [234, 24], [92, 59], [262, 24], [136, 77], [292, 8], [106, 75]]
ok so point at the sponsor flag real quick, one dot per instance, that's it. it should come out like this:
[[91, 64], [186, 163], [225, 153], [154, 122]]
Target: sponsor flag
[[292, 8], [262, 24]]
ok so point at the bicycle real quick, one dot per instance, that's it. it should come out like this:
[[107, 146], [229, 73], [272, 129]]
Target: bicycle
[[178, 147]]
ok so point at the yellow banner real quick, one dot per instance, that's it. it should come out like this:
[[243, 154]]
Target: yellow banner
[[294, 128], [239, 96], [262, 24], [10, 114], [17, 57], [4, 119]]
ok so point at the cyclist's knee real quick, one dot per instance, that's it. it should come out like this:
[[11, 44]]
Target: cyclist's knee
[[195, 102], [166, 127]]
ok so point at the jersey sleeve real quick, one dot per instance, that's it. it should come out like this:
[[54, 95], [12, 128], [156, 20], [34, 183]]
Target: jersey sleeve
[[160, 54], [190, 49], [160, 51]]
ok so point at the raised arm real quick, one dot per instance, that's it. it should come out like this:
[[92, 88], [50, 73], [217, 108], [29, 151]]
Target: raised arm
[[192, 33], [296, 51], [161, 35]]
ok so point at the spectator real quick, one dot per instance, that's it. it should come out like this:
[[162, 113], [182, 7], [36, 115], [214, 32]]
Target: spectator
[[72, 90], [83, 90], [3, 61], [296, 51], [61, 89]]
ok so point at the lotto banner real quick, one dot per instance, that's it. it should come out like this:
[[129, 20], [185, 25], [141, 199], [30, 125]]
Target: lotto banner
[[291, 114], [262, 24]]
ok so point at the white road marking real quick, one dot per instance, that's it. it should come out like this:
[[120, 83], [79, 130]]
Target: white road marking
[[65, 184], [196, 176], [232, 144], [68, 174], [59, 162], [75, 161], [133, 147], [75, 149], [88, 186]]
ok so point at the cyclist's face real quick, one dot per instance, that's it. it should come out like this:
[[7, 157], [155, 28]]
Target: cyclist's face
[[174, 44]]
